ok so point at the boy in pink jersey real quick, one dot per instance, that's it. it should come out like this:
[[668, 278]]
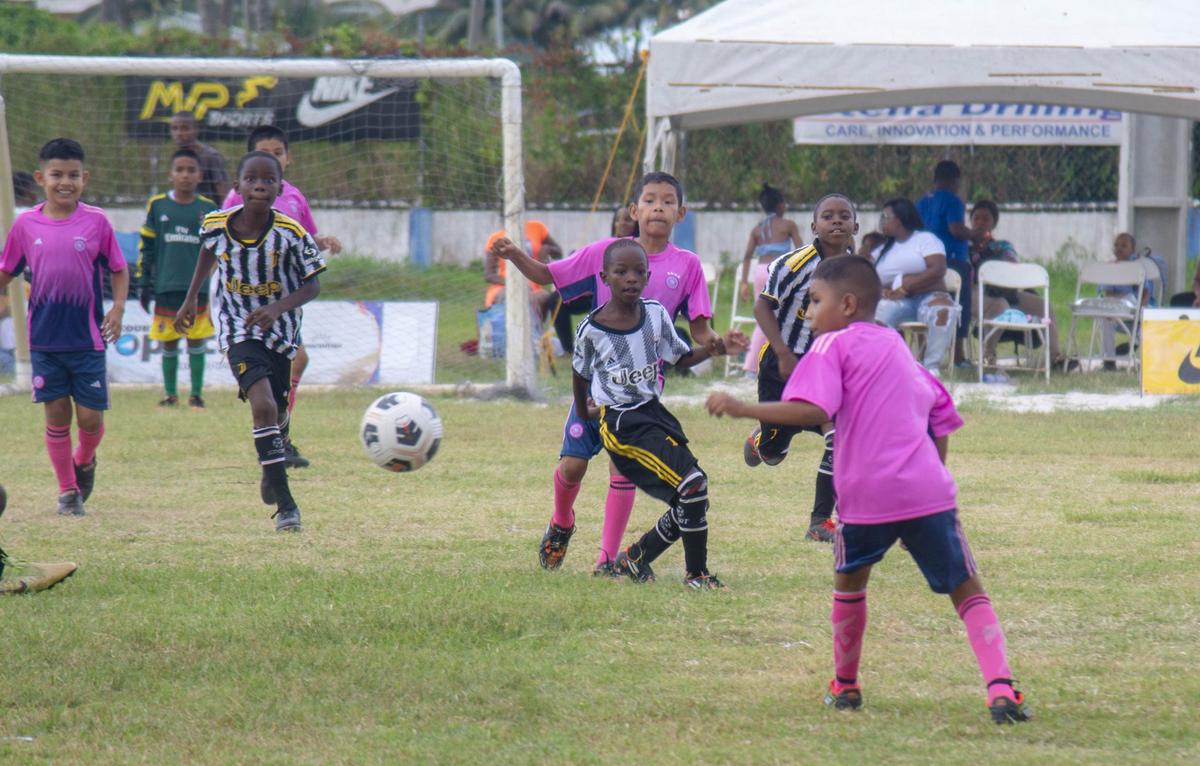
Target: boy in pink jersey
[[893, 424], [66, 244], [676, 280], [292, 203]]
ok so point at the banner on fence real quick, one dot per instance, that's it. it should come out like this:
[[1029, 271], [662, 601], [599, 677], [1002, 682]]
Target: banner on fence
[[1171, 351], [349, 343], [980, 124]]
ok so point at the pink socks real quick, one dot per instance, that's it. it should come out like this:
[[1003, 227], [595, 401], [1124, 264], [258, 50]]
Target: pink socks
[[564, 501], [987, 641], [849, 620], [617, 507], [295, 383], [88, 442], [58, 445]]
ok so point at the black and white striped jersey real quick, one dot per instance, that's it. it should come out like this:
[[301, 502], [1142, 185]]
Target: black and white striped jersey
[[254, 274], [788, 278], [625, 366]]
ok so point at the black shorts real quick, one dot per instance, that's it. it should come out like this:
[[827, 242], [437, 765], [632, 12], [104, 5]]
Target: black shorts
[[251, 361], [648, 447], [774, 440]]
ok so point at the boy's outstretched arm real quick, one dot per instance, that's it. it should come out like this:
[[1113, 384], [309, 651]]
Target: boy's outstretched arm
[[534, 271], [734, 342], [783, 413]]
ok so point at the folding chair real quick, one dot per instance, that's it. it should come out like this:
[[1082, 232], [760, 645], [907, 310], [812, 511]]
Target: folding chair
[[916, 333], [1154, 279], [1016, 276], [745, 323], [1127, 316]]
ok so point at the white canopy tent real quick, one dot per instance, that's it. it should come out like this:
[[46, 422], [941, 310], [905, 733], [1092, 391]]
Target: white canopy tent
[[758, 60]]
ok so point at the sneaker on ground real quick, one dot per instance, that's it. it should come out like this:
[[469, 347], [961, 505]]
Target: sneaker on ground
[[85, 477], [553, 548], [287, 520], [169, 401], [703, 581], [847, 698], [638, 571], [605, 569], [70, 503], [266, 491], [292, 456], [1010, 710], [196, 403], [18, 577], [822, 532]]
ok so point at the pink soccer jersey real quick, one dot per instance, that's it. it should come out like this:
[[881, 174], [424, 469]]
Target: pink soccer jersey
[[66, 305], [676, 279], [291, 202], [886, 406]]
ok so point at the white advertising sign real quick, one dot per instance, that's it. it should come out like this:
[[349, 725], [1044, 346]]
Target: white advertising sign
[[349, 343], [979, 124]]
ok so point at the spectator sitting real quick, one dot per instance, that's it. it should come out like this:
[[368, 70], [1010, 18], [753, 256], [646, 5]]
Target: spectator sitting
[[911, 264], [943, 211], [1124, 249], [770, 238], [540, 246]]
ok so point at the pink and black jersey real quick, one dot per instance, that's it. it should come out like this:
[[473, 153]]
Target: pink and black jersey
[[886, 407], [66, 303], [676, 279], [291, 202]]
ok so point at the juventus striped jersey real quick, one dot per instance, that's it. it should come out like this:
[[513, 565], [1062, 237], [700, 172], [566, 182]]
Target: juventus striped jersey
[[625, 366], [254, 274], [788, 278]]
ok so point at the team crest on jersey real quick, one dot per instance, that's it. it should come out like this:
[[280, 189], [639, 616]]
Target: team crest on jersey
[[80, 244], [672, 280]]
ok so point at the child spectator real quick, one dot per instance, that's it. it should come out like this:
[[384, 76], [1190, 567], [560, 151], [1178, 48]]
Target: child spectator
[[170, 249], [65, 243], [538, 244], [770, 238], [893, 419], [619, 352], [268, 270], [782, 313], [871, 241]]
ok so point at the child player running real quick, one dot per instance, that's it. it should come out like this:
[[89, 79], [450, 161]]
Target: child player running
[[676, 280], [782, 314], [619, 352], [268, 270], [66, 244], [292, 203], [170, 249], [893, 423]]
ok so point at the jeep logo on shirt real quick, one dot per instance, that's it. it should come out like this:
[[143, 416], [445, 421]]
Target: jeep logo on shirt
[[245, 288], [626, 377]]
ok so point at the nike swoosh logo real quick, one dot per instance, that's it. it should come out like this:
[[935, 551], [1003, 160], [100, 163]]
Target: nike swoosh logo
[[315, 116], [1189, 372]]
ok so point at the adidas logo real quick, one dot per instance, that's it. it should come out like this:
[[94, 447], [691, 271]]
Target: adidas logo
[[164, 217], [37, 241], [96, 384]]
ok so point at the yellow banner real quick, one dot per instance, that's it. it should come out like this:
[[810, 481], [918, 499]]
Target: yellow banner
[[1171, 355]]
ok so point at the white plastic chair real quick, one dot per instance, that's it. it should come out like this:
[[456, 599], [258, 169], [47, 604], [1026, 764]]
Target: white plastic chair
[[1016, 276], [1154, 277], [916, 333], [745, 323], [1091, 307]]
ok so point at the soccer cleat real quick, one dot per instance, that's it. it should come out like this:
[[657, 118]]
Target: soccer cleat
[[70, 503], [638, 571], [750, 449], [287, 520], [605, 569], [169, 401], [553, 549], [292, 456], [703, 581], [17, 577], [821, 532], [85, 477], [266, 491], [196, 403], [846, 698], [1009, 710]]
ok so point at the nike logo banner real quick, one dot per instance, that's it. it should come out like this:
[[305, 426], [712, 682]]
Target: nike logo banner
[[325, 108], [1170, 352]]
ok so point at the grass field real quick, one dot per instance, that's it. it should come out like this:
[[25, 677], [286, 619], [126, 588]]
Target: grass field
[[409, 622]]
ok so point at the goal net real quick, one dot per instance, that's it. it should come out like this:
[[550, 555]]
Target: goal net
[[410, 164]]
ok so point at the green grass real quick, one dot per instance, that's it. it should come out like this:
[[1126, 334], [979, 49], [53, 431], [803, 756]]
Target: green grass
[[409, 623]]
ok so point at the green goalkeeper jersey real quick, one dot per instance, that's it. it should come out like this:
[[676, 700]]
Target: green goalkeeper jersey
[[171, 242]]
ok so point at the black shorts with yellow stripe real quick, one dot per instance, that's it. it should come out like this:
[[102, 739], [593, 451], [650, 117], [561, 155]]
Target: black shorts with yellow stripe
[[648, 447], [774, 439]]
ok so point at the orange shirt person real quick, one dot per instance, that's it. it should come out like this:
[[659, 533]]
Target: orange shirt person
[[541, 246]]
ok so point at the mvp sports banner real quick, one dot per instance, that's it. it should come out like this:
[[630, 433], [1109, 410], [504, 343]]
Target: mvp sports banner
[[1171, 351], [325, 108], [964, 124]]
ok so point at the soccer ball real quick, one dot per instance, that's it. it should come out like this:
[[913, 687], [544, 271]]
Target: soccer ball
[[400, 432]]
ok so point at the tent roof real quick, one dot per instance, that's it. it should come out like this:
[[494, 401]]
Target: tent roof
[[754, 60]]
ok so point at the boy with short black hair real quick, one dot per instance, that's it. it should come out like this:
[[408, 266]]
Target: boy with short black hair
[[894, 419], [170, 249], [65, 244], [268, 270], [619, 352]]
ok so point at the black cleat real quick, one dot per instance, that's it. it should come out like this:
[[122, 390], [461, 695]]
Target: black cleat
[[553, 549], [849, 698], [85, 477], [1009, 710], [703, 581], [287, 521], [821, 532], [196, 403], [638, 571], [169, 401], [292, 456], [70, 503]]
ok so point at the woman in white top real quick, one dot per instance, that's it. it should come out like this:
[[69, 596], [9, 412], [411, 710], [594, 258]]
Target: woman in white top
[[911, 264]]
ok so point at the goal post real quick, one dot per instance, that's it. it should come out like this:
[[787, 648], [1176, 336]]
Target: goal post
[[480, 189]]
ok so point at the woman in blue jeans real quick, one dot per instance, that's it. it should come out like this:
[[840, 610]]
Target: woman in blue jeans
[[911, 264]]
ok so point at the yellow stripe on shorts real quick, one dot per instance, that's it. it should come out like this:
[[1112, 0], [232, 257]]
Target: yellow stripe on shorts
[[646, 459]]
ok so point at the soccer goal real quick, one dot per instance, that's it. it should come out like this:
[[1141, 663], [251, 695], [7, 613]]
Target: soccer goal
[[411, 164]]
